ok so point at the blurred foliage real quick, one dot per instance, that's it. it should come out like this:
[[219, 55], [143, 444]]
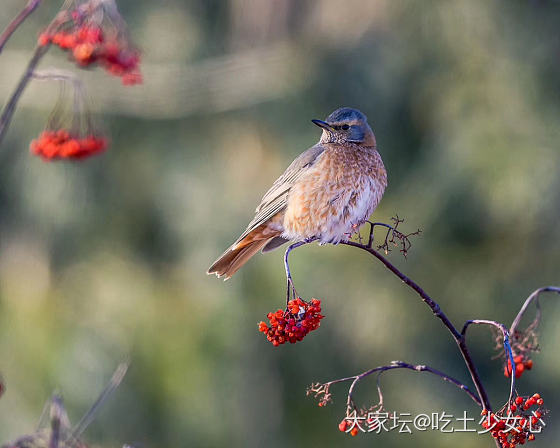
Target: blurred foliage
[[107, 258]]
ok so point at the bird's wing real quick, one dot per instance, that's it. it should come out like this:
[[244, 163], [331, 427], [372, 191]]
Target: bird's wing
[[275, 199]]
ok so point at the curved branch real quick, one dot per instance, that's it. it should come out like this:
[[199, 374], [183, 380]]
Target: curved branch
[[533, 297], [410, 283], [405, 365], [10, 107], [436, 310], [17, 21], [507, 346]]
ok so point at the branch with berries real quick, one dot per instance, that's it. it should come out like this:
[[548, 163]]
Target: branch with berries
[[92, 33], [515, 422]]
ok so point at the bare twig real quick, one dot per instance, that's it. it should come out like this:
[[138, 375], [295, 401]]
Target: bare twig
[[115, 381], [17, 21], [372, 229], [58, 432], [533, 297], [39, 52], [393, 237], [403, 365], [10, 107], [507, 347]]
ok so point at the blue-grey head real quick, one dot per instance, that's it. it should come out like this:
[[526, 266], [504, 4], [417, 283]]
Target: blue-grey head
[[346, 125]]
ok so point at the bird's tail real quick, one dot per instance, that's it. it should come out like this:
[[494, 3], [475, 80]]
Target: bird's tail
[[240, 252]]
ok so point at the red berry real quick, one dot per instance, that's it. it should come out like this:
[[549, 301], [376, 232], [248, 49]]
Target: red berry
[[68, 41], [83, 53], [519, 400], [44, 39]]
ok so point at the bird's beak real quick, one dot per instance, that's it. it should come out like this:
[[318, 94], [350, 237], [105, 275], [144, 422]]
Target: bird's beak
[[323, 125]]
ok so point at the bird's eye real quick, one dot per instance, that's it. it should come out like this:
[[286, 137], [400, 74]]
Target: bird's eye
[[345, 127]]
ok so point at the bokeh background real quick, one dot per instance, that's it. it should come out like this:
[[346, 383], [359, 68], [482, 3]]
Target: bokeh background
[[106, 258]]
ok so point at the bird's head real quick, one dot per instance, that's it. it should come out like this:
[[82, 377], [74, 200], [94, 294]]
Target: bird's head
[[346, 125]]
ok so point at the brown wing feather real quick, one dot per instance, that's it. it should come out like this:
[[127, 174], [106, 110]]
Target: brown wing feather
[[232, 260], [275, 199], [266, 225], [274, 243]]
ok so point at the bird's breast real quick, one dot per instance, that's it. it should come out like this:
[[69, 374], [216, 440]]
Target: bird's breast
[[338, 193]]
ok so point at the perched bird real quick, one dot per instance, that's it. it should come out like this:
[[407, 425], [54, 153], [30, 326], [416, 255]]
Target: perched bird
[[327, 193]]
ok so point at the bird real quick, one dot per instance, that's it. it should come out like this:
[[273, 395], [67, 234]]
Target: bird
[[325, 194]]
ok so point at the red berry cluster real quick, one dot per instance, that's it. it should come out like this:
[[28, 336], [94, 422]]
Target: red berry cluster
[[345, 425], [517, 422], [88, 45], [521, 364], [293, 324], [62, 144], [364, 420]]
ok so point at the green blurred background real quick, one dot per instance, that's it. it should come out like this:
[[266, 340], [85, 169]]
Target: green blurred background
[[107, 257]]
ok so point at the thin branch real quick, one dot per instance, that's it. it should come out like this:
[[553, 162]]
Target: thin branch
[[393, 236], [533, 297], [10, 107], [372, 225], [17, 21], [59, 421], [436, 310], [405, 365], [507, 346], [116, 379], [410, 283]]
